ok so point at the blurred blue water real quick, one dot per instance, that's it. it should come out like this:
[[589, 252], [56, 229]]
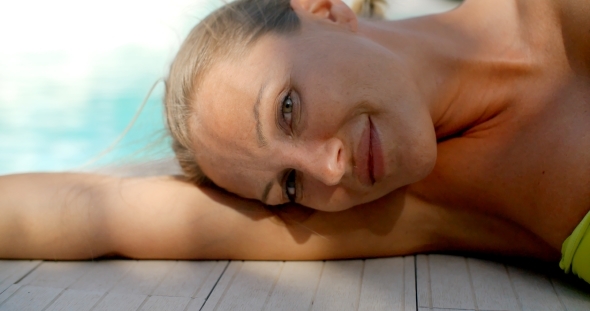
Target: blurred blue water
[[73, 74], [48, 124]]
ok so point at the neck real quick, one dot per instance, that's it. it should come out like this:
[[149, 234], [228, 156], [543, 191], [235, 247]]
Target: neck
[[456, 58]]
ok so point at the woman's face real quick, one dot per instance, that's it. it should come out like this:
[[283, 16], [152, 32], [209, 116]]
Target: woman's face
[[325, 117]]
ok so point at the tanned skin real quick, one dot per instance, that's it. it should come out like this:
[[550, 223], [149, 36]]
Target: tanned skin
[[511, 176]]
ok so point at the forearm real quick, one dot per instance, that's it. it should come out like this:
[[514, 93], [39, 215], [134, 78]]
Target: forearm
[[52, 216]]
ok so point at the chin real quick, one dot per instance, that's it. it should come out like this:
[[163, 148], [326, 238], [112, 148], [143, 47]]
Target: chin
[[422, 165], [414, 165]]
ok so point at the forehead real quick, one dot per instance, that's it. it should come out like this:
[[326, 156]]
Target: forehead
[[224, 130]]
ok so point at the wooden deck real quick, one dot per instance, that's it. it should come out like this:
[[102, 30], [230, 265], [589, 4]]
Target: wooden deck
[[423, 282]]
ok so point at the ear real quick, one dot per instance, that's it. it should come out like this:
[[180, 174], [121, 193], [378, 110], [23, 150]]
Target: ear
[[333, 10]]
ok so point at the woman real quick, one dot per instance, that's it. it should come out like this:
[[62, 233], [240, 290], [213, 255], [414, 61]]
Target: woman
[[465, 131]]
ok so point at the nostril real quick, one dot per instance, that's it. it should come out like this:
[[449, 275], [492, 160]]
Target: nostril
[[340, 163]]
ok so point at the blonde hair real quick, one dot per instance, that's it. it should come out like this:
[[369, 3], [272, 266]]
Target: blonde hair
[[224, 33], [370, 8]]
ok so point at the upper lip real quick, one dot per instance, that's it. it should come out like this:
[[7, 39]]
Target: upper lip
[[364, 157], [371, 160]]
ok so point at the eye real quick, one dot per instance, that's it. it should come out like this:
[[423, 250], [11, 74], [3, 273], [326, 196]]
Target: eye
[[291, 186], [287, 109]]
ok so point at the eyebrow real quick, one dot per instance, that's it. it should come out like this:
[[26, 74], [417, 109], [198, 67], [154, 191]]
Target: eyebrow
[[260, 137], [266, 192]]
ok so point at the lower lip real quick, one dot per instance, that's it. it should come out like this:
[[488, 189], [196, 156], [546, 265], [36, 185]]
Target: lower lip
[[376, 157]]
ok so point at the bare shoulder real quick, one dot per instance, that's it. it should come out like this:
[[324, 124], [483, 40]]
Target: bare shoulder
[[555, 32], [559, 29], [574, 12], [575, 25]]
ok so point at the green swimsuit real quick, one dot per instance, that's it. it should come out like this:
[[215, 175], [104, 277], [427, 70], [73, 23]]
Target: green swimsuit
[[575, 251]]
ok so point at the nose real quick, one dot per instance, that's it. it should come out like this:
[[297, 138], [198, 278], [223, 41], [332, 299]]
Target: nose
[[324, 161]]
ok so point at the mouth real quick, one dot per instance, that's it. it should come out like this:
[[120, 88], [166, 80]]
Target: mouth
[[369, 162], [376, 155]]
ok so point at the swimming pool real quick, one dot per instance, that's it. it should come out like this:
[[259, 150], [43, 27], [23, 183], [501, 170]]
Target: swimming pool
[[48, 123], [74, 73]]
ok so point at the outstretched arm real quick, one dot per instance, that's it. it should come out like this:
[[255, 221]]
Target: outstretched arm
[[53, 216], [77, 216]]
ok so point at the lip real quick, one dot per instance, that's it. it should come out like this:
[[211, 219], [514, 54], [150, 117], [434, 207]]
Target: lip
[[369, 160], [377, 164]]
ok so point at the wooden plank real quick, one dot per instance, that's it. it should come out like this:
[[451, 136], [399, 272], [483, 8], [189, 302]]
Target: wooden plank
[[340, 286], [251, 286], [574, 295], [161, 303], [143, 277], [450, 283], [383, 285], [77, 300], [534, 291], [11, 268], [185, 278], [436, 309], [8, 292], [103, 275], [58, 274], [296, 286], [423, 281], [222, 286], [120, 302], [410, 295], [209, 283], [7, 268], [491, 284], [33, 298], [11, 271]]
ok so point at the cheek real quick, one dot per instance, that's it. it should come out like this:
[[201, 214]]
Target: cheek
[[330, 92], [327, 113], [333, 199], [232, 173], [325, 198]]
